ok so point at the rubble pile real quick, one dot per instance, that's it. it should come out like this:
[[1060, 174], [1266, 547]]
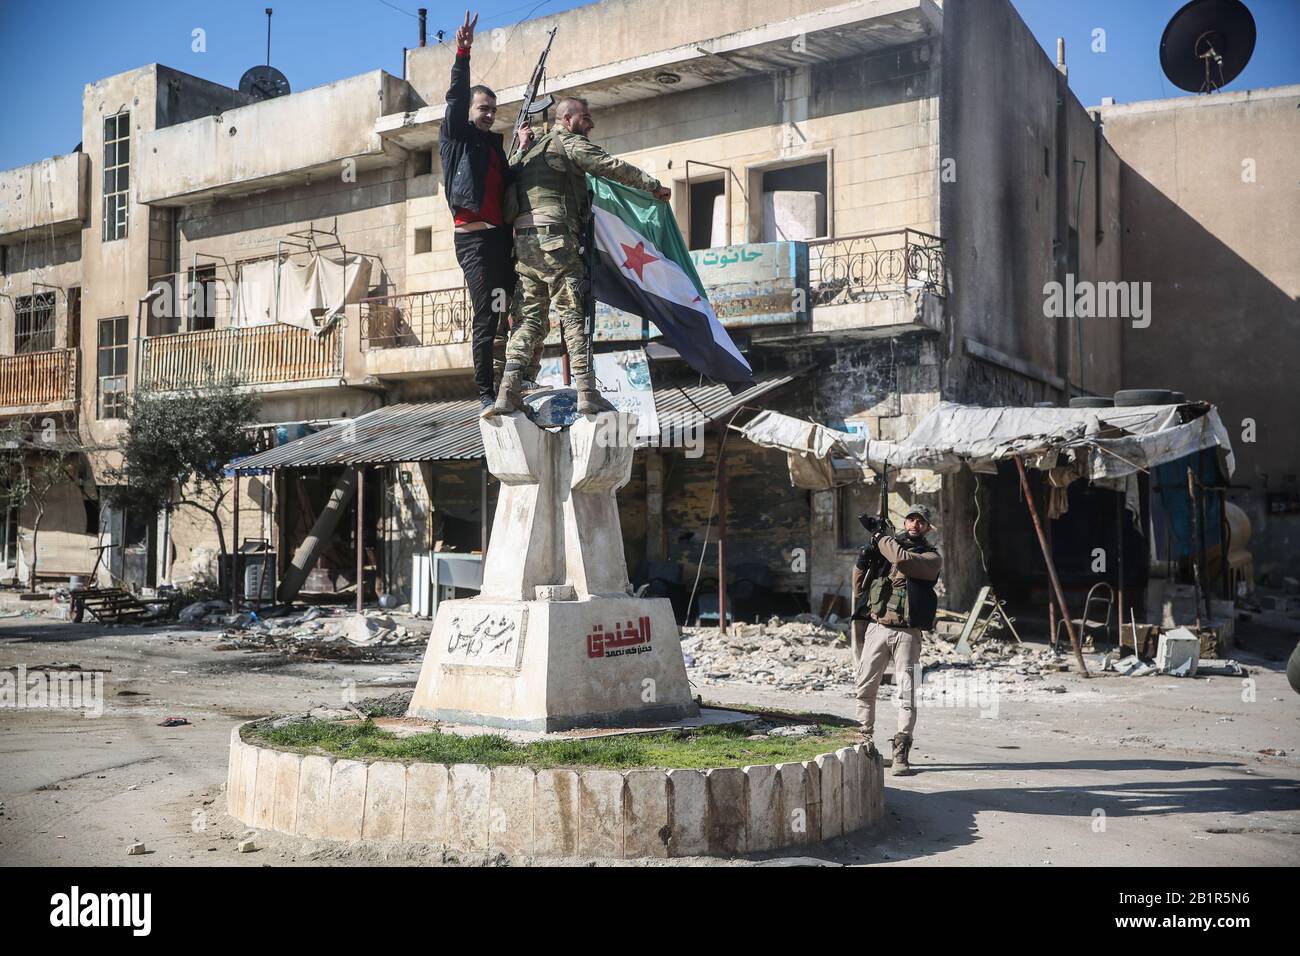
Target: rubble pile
[[313, 630], [802, 653]]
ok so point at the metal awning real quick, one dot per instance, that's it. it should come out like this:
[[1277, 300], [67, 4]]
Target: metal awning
[[449, 431]]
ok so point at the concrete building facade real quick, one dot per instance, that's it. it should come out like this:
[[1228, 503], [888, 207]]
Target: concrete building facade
[[937, 196]]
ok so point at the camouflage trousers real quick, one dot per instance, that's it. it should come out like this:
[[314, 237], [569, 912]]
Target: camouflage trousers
[[550, 270]]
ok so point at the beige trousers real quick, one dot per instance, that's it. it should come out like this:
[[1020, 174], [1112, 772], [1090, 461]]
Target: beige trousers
[[874, 646]]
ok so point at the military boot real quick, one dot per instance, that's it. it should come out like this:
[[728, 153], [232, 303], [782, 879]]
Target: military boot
[[508, 396], [902, 744], [590, 401]]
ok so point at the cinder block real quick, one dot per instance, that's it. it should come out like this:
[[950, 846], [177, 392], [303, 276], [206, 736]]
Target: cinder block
[[850, 788], [232, 770], [313, 796], [792, 784], [763, 823], [600, 814], [469, 790], [425, 818], [832, 815], [347, 801], [385, 801], [248, 783], [555, 813], [727, 811], [264, 791], [688, 813], [813, 795], [287, 770], [646, 830], [510, 825]]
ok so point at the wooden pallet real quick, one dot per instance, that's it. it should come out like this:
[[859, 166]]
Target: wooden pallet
[[107, 605]]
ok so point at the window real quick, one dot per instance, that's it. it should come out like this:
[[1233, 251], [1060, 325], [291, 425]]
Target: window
[[801, 213], [424, 240], [423, 162], [92, 516], [201, 291], [708, 217], [74, 316], [117, 163], [112, 368], [34, 322]]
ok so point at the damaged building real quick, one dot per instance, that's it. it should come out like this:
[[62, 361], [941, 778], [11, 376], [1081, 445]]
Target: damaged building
[[874, 204]]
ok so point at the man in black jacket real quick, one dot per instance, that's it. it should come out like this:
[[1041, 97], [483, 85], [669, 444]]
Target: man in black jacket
[[475, 172]]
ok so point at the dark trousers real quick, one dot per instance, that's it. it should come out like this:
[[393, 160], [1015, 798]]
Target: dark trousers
[[487, 259]]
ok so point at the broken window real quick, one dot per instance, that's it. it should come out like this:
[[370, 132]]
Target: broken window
[[34, 323], [794, 202], [112, 368], [201, 310], [708, 215], [117, 162]]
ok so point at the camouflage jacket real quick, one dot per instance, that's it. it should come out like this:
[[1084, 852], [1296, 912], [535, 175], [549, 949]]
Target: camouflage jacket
[[550, 179]]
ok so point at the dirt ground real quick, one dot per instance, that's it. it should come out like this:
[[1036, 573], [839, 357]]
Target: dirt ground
[[1106, 770]]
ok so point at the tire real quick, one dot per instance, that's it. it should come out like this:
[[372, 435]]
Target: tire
[[1293, 669], [1128, 397], [1091, 401]]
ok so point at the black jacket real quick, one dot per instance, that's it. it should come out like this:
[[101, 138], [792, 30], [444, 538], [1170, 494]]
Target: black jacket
[[464, 147]]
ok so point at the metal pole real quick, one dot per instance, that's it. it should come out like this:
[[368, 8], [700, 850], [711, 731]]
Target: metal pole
[[722, 533], [1051, 603], [234, 554], [1119, 574], [1191, 545], [361, 516], [1051, 568]]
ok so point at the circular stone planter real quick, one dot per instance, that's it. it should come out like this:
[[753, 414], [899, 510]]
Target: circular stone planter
[[521, 812]]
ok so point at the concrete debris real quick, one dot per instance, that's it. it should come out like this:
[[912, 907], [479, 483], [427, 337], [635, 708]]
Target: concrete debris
[[800, 653], [248, 845], [1178, 652], [796, 730], [195, 613], [1218, 668], [136, 849]]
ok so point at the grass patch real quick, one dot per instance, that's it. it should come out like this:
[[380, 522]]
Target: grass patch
[[697, 748]]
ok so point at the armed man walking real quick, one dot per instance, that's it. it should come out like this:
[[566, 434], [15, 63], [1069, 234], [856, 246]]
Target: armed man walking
[[894, 601], [475, 173], [551, 190]]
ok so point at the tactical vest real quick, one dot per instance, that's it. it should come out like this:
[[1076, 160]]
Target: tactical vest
[[547, 183], [914, 604]]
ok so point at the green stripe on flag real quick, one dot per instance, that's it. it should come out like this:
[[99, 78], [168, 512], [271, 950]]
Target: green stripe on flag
[[652, 218]]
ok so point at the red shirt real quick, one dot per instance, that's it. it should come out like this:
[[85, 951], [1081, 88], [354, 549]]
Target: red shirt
[[494, 188]]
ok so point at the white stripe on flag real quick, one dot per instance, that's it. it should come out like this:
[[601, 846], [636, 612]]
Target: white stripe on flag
[[663, 278]]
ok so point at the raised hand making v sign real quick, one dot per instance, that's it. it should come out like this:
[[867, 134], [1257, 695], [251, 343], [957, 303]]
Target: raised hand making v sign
[[465, 33]]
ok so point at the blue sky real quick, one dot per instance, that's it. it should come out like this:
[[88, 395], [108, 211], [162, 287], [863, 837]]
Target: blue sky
[[49, 49]]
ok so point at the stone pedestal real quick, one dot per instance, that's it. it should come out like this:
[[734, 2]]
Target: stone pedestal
[[555, 639]]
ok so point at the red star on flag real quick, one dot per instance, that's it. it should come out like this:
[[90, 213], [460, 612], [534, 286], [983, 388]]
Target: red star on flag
[[637, 259]]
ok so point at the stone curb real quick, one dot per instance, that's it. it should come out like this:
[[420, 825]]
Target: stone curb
[[516, 811]]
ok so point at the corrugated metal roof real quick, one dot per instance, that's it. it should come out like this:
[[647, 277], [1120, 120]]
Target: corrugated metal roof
[[442, 431]]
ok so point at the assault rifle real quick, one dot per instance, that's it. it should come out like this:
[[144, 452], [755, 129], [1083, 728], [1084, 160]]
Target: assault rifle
[[533, 104]]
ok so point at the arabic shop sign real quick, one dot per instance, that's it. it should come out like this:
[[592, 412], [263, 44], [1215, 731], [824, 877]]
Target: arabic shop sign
[[620, 640], [754, 284]]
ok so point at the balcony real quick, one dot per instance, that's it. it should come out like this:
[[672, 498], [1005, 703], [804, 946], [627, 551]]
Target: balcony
[[417, 333], [883, 282], [276, 357], [276, 142], [45, 198], [34, 382]]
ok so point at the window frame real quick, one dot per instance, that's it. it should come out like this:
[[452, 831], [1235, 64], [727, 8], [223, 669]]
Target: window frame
[[26, 307], [111, 386], [118, 173]]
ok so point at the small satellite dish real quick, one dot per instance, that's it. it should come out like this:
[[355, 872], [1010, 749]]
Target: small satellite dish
[[1207, 44], [263, 82]]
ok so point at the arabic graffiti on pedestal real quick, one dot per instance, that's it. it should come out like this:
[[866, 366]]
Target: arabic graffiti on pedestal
[[626, 638], [480, 634]]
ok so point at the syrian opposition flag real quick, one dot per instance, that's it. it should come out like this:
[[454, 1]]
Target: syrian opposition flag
[[641, 266]]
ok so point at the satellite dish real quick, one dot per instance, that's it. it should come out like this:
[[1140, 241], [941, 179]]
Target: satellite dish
[[1207, 44], [263, 83]]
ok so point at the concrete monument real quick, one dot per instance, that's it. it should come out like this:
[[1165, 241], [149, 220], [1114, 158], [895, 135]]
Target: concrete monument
[[555, 640]]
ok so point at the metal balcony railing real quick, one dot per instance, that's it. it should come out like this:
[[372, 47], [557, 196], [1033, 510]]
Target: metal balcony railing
[[256, 354], [38, 378], [875, 265], [414, 319]]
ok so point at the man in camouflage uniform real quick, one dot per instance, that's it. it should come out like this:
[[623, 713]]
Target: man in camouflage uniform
[[551, 190]]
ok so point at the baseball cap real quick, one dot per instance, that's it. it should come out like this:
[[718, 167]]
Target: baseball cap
[[920, 511]]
